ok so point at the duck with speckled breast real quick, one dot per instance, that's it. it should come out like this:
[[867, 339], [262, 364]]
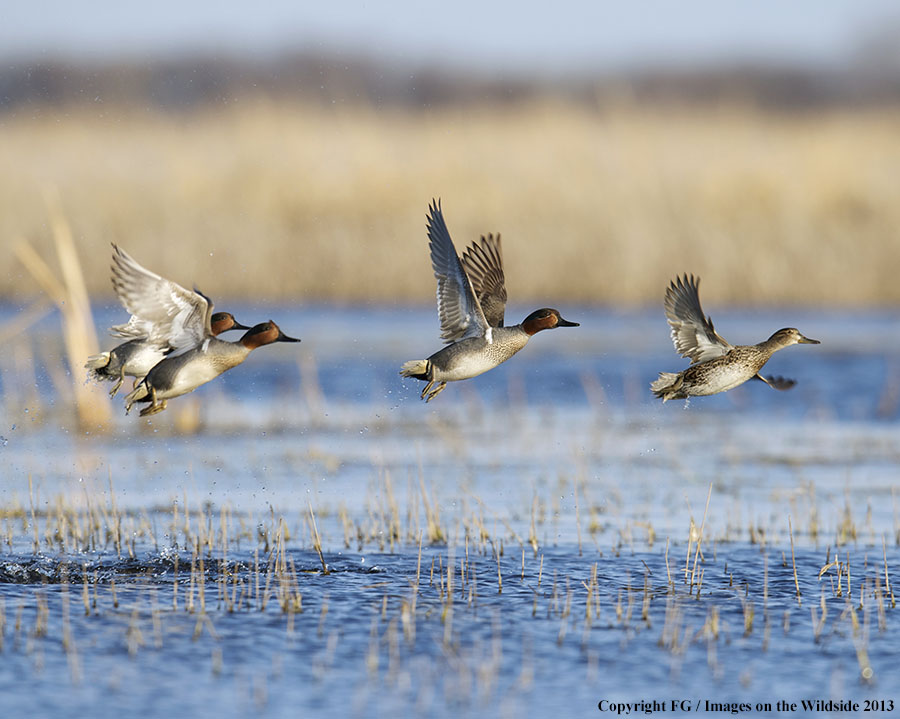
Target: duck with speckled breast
[[176, 376], [166, 320], [718, 366], [471, 300]]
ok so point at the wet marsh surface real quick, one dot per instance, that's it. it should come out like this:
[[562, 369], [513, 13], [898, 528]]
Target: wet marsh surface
[[539, 538]]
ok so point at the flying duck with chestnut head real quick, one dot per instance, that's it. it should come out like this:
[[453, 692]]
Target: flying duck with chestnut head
[[184, 373], [471, 300], [166, 320]]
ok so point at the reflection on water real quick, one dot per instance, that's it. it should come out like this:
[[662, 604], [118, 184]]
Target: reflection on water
[[563, 502]]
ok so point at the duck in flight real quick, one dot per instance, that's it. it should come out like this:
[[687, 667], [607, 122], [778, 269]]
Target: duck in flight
[[184, 373], [166, 319], [717, 365], [471, 301]]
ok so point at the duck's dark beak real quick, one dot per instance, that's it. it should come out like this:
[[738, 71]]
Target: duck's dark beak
[[238, 326], [282, 337], [807, 341], [566, 323]]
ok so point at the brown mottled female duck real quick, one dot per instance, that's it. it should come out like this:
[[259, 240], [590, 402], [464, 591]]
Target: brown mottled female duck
[[718, 366]]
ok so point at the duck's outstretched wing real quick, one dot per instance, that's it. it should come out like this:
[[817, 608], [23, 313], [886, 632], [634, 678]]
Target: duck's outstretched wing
[[161, 311], [458, 308], [483, 263], [693, 333]]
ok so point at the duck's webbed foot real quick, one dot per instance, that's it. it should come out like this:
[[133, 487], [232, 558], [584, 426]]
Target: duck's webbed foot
[[154, 406], [117, 385], [434, 392], [153, 409], [777, 382]]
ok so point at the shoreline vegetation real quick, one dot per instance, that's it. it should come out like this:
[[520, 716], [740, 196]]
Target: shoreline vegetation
[[282, 200]]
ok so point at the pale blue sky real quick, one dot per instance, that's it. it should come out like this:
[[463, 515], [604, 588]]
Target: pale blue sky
[[561, 35]]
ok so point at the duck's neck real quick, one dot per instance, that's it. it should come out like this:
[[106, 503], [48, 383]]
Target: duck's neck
[[773, 344], [248, 344]]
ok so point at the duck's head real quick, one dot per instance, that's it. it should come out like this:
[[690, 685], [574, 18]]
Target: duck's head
[[790, 336], [545, 319], [265, 333], [223, 321]]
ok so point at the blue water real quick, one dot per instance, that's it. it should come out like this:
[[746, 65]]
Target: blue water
[[563, 449]]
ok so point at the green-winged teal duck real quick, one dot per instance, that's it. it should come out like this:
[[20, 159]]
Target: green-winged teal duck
[[184, 373], [717, 365], [471, 300], [166, 319]]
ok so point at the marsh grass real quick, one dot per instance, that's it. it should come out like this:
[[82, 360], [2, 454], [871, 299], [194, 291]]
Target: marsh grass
[[67, 290], [234, 571], [294, 201], [427, 546]]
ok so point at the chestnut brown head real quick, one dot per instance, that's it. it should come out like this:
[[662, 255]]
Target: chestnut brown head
[[265, 333], [545, 319], [223, 322]]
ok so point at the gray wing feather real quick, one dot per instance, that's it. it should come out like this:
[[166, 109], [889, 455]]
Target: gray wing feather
[[162, 311], [458, 308], [483, 263], [693, 333]]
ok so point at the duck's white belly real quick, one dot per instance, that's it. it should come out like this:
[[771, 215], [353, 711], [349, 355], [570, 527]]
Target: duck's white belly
[[466, 366], [188, 378]]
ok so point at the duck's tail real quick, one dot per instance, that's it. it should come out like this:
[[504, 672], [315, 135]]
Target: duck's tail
[[419, 369], [97, 365], [665, 386]]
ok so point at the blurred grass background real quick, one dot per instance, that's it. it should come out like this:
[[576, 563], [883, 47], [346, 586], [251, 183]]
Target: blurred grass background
[[290, 155], [273, 197]]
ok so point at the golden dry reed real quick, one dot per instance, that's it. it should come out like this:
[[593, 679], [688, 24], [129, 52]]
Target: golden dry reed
[[69, 293], [296, 201]]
